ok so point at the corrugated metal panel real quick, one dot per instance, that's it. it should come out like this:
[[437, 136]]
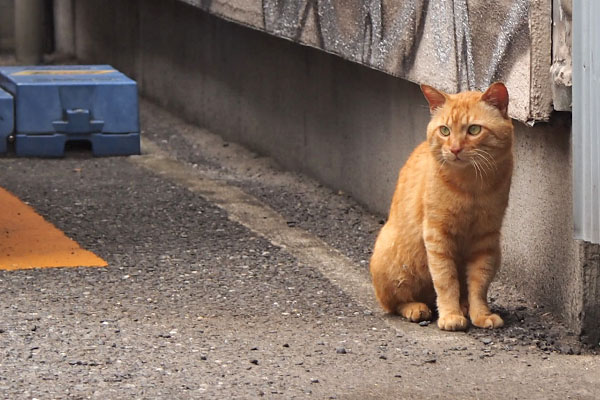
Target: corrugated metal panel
[[586, 119]]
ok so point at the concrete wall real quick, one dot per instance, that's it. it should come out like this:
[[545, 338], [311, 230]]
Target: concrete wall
[[64, 33], [348, 126], [540, 254], [7, 25]]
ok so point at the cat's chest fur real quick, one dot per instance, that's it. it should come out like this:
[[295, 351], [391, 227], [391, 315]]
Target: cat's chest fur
[[463, 214]]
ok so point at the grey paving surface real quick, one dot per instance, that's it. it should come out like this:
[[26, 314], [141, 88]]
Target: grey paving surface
[[183, 298], [194, 305]]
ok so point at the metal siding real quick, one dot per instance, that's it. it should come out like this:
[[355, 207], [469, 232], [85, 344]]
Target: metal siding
[[586, 120]]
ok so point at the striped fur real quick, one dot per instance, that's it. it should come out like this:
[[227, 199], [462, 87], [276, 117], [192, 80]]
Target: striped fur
[[441, 243]]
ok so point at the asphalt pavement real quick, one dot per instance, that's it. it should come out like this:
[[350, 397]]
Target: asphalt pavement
[[228, 278]]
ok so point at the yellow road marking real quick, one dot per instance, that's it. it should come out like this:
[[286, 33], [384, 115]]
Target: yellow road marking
[[28, 241]]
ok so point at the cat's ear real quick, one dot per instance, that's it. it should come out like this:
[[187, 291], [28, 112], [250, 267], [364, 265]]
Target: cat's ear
[[435, 98], [497, 96]]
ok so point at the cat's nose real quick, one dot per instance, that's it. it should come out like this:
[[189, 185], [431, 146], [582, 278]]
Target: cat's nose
[[456, 150]]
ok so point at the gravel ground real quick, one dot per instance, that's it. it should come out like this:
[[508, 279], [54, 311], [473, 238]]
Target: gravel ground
[[193, 305], [342, 223], [188, 294]]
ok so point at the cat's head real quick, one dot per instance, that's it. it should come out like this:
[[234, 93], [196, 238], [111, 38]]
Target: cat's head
[[469, 128]]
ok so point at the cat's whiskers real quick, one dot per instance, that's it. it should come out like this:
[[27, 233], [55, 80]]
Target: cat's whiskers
[[443, 161], [439, 157], [492, 167], [488, 163], [474, 164], [479, 171], [482, 162], [488, 158]]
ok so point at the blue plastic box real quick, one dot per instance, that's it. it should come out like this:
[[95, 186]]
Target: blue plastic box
[[7, 113], [57, 104]]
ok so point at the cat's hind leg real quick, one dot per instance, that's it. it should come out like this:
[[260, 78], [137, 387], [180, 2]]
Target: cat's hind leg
[[403, 293], [398, 294], [401, 286], [414, 311]]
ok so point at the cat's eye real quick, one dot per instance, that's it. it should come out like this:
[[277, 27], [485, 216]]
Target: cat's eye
[[474, 130], [444, 130]]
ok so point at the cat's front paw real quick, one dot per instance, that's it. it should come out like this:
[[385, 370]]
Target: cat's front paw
[[488, 321], [452, 322]]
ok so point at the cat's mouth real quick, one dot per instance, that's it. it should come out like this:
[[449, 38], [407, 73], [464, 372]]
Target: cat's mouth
[[453, 157], [457, 161]]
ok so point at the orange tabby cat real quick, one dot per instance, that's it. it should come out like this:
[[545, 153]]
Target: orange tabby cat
[[441, 242]]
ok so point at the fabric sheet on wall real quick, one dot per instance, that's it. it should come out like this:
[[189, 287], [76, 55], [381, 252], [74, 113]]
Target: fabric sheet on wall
[[454, 45]]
